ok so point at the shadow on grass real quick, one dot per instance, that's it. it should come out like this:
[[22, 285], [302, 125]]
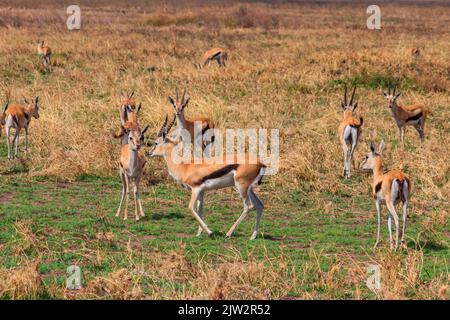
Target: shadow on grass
[[169, 215]]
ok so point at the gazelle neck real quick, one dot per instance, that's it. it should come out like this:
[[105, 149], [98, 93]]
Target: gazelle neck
[[181, 121], [175, 170], [377, 168], [133, 159]]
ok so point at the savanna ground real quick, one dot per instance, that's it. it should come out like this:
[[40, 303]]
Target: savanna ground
[[287, 67]]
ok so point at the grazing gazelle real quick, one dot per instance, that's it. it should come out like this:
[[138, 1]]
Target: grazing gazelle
[[413, 115], [389, 188], [182, 123], [218, 54], [18, 116], [219, 173], [132, 164], [45, 53], [349, 131]]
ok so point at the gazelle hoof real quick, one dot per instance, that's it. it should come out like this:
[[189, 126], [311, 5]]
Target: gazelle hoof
[[254, 235]]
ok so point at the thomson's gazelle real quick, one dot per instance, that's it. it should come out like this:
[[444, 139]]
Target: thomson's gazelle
[[182, 123], [132, 164], [390, 188], [218, 54], [45, 53], [18, 116], [349, 131], [215, 174], [413, 115]]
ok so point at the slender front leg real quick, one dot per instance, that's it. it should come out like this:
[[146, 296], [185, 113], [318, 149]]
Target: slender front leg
[[194, 198], [136, 204], [26, 139], [377, 204], [124, 190], [127, 196], [8, 140], [405, 214], [141, 210]]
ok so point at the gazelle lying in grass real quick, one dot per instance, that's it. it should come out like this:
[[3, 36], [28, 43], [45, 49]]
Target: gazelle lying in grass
[[182, 123], [389, 188], [349, 131], [18, 116], [413, 115], [132, 164], [216, 174], [45, 53], [218, 54]]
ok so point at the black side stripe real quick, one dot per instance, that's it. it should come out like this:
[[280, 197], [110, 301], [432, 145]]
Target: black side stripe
[[378, 186], [219, 173], [416, 117]]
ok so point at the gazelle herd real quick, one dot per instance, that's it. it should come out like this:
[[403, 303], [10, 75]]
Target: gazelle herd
[[201, 176]]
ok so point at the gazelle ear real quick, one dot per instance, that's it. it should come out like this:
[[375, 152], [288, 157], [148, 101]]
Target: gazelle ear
[[36, 100], [25, 100], [385, 94], [143, 131], [397, 95], [171, 100], [343, 105], [186, 102], [355, 106], [139, 107], [131, 95], [372, 147], [382, 147]]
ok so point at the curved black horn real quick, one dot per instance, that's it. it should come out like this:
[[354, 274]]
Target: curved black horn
[[171, 123], [395, 88], [176, 90], [389, 87], [353, 95], [163, 126], [345, 95]]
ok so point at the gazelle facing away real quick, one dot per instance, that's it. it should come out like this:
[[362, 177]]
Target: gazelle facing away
[[218, 54], [18, 116], [217, 174], [45, 53], [182, 123], [349, 131], [389, 188], [413, 115], [132, 164]]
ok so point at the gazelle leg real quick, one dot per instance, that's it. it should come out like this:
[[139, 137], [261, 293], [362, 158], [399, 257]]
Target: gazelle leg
[[244, 193], [26, 139], [16, 140], [194, 198], [259, 208], [394, 215], [138, 185], [8, 140], [200, 211], [136, 203], [127, 196], [345, 149], [124, 190], [405, 214], [420, 131], [377, 204]]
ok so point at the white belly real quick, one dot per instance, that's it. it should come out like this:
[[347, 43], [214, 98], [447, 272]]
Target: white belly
[[219, 183]]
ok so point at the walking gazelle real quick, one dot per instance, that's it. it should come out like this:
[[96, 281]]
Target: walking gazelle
[[45, 53], [389, 188], [349, 131], [218, 54], [413, 115], [214, 174], [131, 166]]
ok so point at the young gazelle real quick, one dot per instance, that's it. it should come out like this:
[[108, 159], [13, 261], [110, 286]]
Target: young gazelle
[[212, 175], [413, 115], [182, 123], [132, 164], [218, 54], [18, 116], [45, 53], [349, 131], [390, 188]]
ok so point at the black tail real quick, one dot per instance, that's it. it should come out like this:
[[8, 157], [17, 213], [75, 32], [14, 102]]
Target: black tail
[[401, 194], [357, 126]]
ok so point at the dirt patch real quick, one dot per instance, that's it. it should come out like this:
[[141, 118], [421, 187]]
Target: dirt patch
[[7, 197]]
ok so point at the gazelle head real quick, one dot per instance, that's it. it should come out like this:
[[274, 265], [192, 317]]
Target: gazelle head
[[162, 139], [135, 137], [32, 107], [128, 106], [392, 97], [348, 108], [179, 104], [369, 160]]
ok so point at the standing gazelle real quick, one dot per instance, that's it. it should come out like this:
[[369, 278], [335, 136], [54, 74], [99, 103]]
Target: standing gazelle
[[349, 131], [390, 188], [132, 164], [45, 53], [189, 125], [218, 54], [215, 174], [413, 115], [18, 116]]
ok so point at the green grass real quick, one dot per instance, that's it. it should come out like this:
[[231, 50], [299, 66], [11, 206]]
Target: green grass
[[67, 217]]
